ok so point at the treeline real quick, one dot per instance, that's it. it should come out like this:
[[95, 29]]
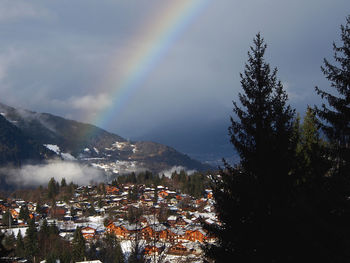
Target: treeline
[[288, 198], [193, 184], [47, 244], [54, 191]]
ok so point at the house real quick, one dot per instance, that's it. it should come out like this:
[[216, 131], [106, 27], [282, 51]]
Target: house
[[172, 220], [112, 190], [3, 207], [91, 261], [122, 231], [152, 250], [157, 232], [196, 234], [163, 194], [178, 250], [14, 213], [88, 232], [178, 197], [180, 222], [117, 229]]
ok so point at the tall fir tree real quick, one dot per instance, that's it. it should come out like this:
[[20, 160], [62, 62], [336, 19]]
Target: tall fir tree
[[24, 213], [7, 219], [110, 251], [252, 199], [311, 151], [31, 241], [79, 246], [20, 249], [4, 252], [335, 118]]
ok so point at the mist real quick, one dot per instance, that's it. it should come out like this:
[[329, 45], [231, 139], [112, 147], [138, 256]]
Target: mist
[[35, 175], [177, 169]]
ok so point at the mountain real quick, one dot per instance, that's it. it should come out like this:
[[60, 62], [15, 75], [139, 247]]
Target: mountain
[[17, 148], [89, 144]]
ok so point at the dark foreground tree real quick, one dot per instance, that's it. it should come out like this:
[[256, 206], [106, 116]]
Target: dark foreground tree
[[252, 200], [311, 151], [4, 252], [79, 246], [31, 241], [335, 123], [110, 251], [336, 118]]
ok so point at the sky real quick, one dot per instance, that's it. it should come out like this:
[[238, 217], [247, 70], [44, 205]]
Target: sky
[[160, 70]]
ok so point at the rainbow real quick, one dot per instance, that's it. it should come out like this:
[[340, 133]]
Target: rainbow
[[157, 36]]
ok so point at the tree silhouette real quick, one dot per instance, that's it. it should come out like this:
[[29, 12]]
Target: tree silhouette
[[336, 118], [334, 209], [79, 246], [253, 199]]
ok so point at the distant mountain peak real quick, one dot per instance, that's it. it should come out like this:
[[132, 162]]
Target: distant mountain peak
[[94, 146]]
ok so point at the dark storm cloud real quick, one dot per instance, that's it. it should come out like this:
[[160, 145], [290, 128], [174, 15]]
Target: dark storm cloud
[[54, 56]]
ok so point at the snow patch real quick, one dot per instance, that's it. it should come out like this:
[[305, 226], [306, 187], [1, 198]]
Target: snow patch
[[68, 157], [96, 150], [53, 147], [15, 231]]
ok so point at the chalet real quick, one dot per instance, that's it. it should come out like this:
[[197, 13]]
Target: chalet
[[152, 250], [176, 235], [172, 220], [112, 190], [178, 250], [117, 229], [14, 213], [122, 231], [163, 194], [31, 207], [158, 232], [58, 212], [88, 233], [3, 207], [196, 234], [180, 222]]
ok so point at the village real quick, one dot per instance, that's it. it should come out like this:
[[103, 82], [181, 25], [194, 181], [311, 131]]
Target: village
[[166, 224]]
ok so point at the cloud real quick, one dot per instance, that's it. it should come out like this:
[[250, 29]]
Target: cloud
[[86, 106], [7, 58], [90, 102], [34, 175], [177, 169], [16, 10]]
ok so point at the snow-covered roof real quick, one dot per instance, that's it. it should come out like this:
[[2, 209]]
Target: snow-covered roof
[[172, 218]]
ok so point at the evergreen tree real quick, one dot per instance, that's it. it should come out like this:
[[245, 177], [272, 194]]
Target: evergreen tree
[[137, 253], [334, 208], [20, 249], [39, 209], [9, 242], [4, 252], [52, 188], [111, 251], [31, 240], [310, 152], [24, 213], [336, 118], [252, 200], [79, 246], [7, 218], [44, 228], [63, 182]]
